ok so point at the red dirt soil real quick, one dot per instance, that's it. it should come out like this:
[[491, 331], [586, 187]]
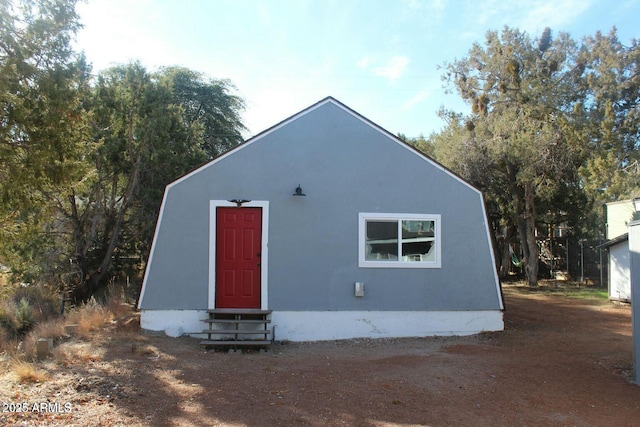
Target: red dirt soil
[[561, 361]]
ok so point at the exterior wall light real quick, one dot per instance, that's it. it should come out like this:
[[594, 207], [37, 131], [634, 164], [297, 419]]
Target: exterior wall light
[[299, 191]]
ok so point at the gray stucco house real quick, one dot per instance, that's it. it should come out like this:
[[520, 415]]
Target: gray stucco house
[[334, 225]]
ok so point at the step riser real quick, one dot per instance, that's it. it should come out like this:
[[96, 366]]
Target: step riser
[[237, 328]]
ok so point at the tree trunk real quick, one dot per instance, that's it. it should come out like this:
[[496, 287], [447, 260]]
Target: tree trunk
[[520, 213], [97, 279], [531, 243], [81, 245], [493, 232], [505, 259], [92, 275]]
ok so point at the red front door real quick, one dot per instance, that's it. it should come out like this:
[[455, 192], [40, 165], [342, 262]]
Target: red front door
[[238, 247]]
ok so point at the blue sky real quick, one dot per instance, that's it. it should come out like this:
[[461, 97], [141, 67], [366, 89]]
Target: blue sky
[[378, 57]]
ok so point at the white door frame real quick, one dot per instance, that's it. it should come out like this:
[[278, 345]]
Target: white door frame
[[264, 257]]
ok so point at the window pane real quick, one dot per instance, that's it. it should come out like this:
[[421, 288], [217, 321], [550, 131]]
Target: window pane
[[418, 243], [382, 240]]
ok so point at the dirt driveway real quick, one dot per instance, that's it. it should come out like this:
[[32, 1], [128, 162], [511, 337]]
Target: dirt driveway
[[560, 362]]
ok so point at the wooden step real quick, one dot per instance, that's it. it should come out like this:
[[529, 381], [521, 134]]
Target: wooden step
[[240, 311], [238, 321], [234, 318], [235, 332], [238, 343]]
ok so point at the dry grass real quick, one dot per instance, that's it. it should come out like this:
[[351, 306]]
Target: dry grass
[[51, 329], [8, 321], [27, 372], [118, 307], [89, 318], [77, 352], [18, 357], [4, 282], [117, 301], [6, 343]]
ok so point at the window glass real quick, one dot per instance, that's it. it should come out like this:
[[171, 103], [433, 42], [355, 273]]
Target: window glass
[[418, 241], [382, 240]]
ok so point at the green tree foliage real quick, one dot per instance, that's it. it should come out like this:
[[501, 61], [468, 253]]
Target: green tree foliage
[[420, 143], [207, 108], [149, 129], [520, 143], [84, 161], [612, 74], [44, 125]]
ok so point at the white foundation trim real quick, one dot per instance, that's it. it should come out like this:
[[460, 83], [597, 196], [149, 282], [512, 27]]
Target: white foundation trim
[[191, 321], [336, 325]]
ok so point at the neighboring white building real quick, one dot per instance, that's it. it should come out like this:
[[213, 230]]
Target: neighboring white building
[[619, 278], [619, 216]]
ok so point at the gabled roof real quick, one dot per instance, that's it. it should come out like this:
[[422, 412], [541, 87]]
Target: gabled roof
[[327, 100], [612, 242]]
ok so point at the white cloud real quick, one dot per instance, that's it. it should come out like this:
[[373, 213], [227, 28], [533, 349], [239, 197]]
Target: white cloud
[[533, 18], [268, 107], [366, 62], [553, 14], [392, 69], [416, 99], [111, 34]]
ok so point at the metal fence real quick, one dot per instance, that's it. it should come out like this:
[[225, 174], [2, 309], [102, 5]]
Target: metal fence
[[576, 259]]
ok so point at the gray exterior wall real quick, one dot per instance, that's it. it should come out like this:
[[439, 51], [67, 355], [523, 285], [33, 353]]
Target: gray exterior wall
[[345, 165]]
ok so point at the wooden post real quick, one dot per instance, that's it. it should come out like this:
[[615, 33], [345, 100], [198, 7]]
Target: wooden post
[[634, 265], [43, 347]]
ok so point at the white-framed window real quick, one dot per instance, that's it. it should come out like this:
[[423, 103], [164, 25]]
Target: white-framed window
[[399, 240]]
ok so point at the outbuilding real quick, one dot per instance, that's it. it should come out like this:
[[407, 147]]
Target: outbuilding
[[619, 268], [332, 226], [619, 215]]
